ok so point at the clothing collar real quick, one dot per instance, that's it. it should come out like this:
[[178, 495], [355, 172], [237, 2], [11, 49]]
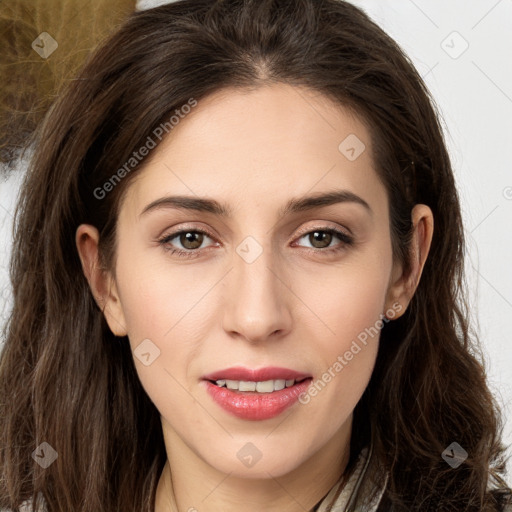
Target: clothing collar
[[350, 496]]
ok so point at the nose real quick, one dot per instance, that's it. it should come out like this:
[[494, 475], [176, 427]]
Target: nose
[[258, 300]]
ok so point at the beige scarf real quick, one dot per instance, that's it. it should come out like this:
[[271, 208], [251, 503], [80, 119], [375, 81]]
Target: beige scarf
[[348, 497]]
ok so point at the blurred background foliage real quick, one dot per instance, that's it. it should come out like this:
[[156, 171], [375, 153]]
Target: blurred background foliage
[[28, 82]]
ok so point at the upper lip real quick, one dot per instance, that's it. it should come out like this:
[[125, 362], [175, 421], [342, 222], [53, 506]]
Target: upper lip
[[256, 375]]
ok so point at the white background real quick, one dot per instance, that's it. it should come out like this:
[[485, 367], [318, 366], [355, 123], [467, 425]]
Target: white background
[[473, 89]]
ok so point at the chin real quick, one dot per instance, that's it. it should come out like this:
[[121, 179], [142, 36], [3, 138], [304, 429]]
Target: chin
[[250, 462]]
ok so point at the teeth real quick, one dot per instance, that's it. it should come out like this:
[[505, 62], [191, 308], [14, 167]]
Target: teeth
[[267, 386], [232, 384], [244, 385], [280, 384]]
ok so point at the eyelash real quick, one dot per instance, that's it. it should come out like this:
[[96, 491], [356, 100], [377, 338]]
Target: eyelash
[[191, 253]]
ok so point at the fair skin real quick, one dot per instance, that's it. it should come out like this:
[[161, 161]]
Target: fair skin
[[295, 306]]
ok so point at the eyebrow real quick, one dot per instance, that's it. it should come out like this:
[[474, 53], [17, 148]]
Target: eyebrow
[[294, 205]]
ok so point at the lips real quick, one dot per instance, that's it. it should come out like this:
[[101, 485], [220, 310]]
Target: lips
[[261, 404]]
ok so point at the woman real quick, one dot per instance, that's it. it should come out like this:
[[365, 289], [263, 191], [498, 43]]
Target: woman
[[237, 274]]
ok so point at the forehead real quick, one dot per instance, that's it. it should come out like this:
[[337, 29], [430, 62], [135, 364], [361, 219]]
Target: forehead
[[272, 142]]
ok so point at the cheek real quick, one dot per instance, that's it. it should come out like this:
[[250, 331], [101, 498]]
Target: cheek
[[166, 311], [349, 304], [156, 296], [346, 301]]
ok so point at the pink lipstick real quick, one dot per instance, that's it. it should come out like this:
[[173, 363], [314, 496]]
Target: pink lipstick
[[256, 394]]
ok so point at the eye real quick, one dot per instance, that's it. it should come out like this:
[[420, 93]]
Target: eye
[[190, 239], [321, 238]]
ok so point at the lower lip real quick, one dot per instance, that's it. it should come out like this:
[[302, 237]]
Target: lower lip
[[251, 405]]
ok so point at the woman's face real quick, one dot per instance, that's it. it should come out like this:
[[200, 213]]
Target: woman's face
[[264, 283]]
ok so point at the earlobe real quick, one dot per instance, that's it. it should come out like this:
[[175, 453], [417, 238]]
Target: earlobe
[[403, 286], [101, 283]]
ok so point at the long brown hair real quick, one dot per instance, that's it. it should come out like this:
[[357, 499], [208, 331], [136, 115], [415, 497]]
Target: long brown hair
[[65, 379]]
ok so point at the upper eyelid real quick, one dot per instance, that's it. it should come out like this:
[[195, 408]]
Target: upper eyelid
[[307, 230]]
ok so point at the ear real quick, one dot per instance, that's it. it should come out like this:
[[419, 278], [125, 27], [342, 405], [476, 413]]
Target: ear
[[403, 286], [101, 282]]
